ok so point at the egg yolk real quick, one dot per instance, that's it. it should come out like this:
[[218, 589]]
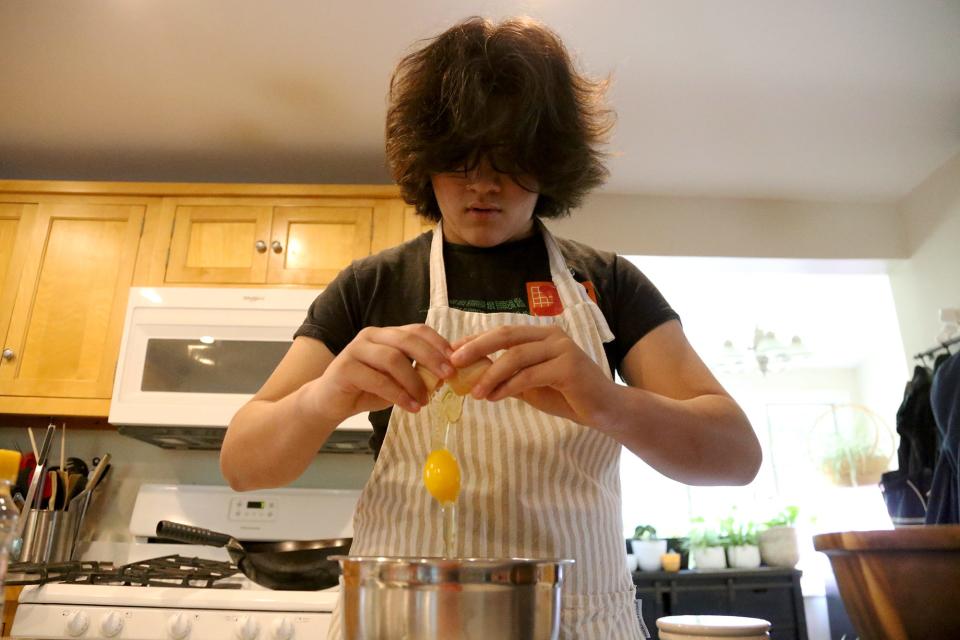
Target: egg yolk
[[441, 475]]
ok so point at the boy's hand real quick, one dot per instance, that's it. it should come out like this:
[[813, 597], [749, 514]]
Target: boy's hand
[[542, 366], [376, 371]]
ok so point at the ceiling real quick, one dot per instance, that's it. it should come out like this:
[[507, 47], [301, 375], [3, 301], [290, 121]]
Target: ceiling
[[854, 100]]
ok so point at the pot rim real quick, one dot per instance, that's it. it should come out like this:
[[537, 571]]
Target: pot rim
[[414, 571], [439, 560]]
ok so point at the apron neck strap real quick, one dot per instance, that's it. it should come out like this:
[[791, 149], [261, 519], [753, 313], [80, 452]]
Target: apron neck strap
[[438, 275], [567, 287]]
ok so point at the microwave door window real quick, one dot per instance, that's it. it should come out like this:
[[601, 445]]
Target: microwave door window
[[178, 365]]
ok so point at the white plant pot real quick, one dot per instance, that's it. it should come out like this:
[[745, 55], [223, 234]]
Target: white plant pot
[[779, 547], [745, 556], [631, 562], [709, 558], [648, 553]]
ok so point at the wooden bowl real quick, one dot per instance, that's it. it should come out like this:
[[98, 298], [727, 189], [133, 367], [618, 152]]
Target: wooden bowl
[[901, 584]]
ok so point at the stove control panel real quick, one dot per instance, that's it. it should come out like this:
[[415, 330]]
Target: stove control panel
[[148, 623], [253, 509]]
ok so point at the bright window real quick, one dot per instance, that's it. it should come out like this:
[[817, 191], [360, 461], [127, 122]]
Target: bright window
[[844, 314]]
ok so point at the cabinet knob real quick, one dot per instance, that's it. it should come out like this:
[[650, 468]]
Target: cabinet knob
[[261, 246], [8, 354], [276, 246]]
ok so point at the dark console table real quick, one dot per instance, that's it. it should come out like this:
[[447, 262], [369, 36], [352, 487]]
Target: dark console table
[[767, 592]]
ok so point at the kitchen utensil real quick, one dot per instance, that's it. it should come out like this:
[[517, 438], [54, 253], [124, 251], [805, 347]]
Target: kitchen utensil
[[32, 491], [451, 599], [299, 565], [77, 465], [52, 477], [27, 464], [33, 443], [81, 502], [61, 470], [75, 484], [63, 445]]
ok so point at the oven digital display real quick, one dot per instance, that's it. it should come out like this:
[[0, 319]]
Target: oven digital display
[[256, 505]]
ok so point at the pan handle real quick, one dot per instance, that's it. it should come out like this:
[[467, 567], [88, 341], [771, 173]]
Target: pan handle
[[191, 535]]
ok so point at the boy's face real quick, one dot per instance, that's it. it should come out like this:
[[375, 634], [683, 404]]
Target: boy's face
[[483, 207]]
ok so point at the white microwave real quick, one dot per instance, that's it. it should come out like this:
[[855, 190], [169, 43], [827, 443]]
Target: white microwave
[[190, 357]]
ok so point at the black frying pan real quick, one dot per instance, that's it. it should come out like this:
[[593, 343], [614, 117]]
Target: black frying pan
[[288, 566]]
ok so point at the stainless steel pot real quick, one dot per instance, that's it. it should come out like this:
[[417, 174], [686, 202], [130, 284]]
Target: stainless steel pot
[[451, 599]]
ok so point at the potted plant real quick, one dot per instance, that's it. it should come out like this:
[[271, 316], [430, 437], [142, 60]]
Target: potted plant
[[743, 551], [778, 541], [647, 548], [706, 547]]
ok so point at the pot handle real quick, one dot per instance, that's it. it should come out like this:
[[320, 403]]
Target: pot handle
[[191, 535]]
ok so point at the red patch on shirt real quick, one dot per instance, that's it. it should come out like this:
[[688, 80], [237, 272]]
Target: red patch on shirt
[[543, 299]]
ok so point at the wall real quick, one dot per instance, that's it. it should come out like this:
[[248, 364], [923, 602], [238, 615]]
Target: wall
[[930, 278], [677, 226]]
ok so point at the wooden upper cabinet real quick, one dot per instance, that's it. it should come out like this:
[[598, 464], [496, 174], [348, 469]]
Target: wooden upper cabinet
[[220, 241], [311, 244], [414, 225], [16, 219], [67, 315]]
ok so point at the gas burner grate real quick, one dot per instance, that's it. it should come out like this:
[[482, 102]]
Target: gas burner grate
[[177, 571], [166, 571], [24, 573]]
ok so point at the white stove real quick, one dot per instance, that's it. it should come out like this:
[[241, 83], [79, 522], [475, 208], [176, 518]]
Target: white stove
[[249, 612]]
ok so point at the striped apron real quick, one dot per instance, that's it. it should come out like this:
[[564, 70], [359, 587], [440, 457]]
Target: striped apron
[[533, 485]]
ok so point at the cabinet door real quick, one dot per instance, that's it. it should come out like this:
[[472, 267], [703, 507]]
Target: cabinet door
[[218, 243], [414, 225], [15, 222], [68, 314], [311, 244]]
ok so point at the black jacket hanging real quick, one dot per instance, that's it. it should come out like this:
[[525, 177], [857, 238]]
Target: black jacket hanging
[[905, 490], [944, 503]]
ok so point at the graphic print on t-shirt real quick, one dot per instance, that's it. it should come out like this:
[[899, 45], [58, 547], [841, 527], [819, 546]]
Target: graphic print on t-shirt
[[514, 305], [544, 300]]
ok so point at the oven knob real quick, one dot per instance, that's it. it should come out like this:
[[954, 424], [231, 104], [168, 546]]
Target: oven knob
[[111, 625], [247, 628], [178, 626], [282, 629], [77, 623]]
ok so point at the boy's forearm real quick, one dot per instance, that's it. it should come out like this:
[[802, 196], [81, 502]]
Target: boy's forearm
[[706, 440], [270, 443]]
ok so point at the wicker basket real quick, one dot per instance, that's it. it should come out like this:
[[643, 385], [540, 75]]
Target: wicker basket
[[850, 465]]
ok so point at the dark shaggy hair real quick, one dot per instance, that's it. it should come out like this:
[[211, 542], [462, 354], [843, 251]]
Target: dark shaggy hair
[[508, 93]]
